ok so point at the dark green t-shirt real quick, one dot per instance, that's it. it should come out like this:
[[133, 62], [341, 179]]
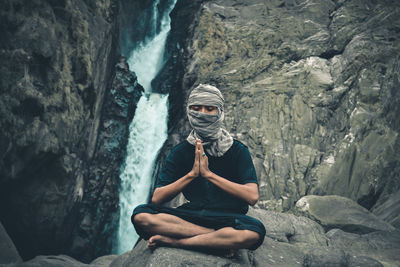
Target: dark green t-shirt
[[235, 165]]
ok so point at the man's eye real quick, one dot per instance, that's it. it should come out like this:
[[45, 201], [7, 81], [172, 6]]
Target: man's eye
[[195, 108], [211, 108]]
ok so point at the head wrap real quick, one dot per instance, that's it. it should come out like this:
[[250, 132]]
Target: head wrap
[[208, 127]]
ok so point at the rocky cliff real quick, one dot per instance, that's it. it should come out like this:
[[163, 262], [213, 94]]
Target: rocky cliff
[[64, 125], [310, 86]]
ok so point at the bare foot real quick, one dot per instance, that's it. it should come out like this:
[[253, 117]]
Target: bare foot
[[160, 240], [231, 253]]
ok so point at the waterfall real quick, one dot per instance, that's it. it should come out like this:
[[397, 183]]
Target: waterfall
[[148, 129]]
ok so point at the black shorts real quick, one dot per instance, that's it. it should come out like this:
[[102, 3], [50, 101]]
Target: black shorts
[[206, 218]]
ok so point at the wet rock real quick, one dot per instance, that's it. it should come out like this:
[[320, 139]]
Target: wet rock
[[340, 212], [99, 213]]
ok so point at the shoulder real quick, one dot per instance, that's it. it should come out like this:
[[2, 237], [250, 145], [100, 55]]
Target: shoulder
[[238, 146], [237, 150], [181, 148]]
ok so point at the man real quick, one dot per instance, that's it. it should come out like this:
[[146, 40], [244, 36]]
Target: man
[[216, 174]]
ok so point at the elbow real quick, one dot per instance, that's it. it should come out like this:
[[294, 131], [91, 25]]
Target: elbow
[[253, 199], [155, 200]]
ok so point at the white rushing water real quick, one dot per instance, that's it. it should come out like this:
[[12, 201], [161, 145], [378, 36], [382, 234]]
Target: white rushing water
[[148, 129]]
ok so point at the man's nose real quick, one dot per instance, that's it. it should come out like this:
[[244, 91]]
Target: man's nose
[[203, 109]]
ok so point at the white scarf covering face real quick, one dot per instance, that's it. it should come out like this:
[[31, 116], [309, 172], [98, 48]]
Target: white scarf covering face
[[208, 127]]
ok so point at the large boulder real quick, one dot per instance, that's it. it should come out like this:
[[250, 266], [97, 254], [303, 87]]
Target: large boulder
[[143, 256], [290, 241], [288, 228], [382, 246], [340, 212]]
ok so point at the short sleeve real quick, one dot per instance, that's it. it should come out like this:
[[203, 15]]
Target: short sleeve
[[245, 167], [169, 171]]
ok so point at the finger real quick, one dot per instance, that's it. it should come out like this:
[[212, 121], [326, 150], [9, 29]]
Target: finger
[[197, 151], [201, 148], [198, 145], [197, 154]]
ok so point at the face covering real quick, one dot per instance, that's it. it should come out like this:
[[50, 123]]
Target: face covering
[[208, 127]]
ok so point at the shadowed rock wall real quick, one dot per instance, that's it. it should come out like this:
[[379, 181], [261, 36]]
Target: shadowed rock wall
[[60, 145], [310, 86]]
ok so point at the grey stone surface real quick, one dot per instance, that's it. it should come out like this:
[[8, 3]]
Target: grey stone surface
[[289, 228], [340, 212], [389, 210], [143, 256], [103, 261], [276, 253], [382, 246]]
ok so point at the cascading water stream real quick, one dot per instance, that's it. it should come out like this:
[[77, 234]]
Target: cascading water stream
[[148, 130]]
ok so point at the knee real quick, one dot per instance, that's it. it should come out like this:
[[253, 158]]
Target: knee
[[142, 220], [248, 238]]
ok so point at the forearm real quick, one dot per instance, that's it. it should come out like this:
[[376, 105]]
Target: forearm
[[247, 192], [168, 192]]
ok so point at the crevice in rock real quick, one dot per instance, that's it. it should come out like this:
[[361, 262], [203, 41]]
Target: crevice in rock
[[330, 54]]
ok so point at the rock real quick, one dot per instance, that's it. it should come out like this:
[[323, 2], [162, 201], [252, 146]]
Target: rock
[[389, 211], [275, 253], [325, 257], [382, 246], [49, 261], [308, 247], [143, 256], [340, 212], [104, 261], [8, 252], [305, 246], [99, 213], [289, 228]]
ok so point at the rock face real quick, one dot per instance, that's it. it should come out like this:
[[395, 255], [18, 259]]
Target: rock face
[[310, 86], [61, 142], [99, 213]]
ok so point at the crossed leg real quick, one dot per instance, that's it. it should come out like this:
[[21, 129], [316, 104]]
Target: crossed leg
[[170, 230]]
